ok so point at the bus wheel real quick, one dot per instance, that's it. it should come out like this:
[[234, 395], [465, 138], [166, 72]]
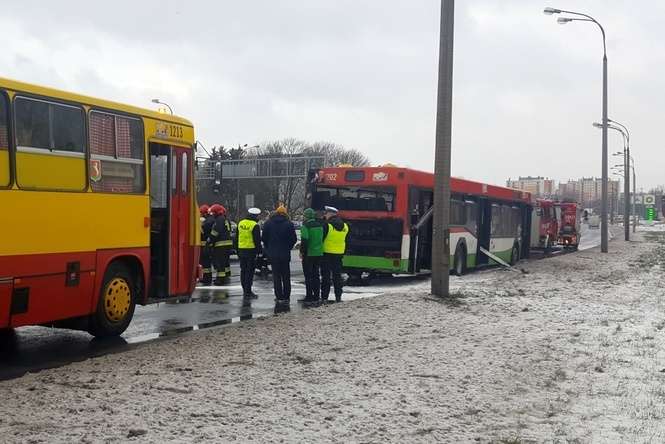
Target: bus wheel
[[514, 255], [459, 263], [116, 304], [354, 278]]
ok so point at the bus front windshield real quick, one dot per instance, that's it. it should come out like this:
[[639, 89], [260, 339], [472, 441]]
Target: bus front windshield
[[350, 198]]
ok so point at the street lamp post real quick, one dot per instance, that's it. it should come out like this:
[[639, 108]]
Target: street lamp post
[[632, 166], [163, 103], [626, 181], [604, 233], [626, 166], [635, 218]]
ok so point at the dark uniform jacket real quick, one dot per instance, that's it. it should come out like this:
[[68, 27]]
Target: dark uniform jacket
[[206, 228], [279, 237], [220, 233]]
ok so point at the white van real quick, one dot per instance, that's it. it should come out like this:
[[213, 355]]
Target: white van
[[594, 221]]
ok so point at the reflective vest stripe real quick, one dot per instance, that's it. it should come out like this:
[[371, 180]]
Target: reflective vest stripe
[[245, 236], [224, 243], [335, 241]]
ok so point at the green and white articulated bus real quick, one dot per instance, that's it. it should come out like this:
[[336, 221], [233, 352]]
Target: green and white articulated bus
[[389, 212]]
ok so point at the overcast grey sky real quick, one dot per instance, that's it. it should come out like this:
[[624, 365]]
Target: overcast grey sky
[[363, 73]]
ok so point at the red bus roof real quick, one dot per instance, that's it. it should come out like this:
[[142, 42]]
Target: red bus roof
[[392, 176]]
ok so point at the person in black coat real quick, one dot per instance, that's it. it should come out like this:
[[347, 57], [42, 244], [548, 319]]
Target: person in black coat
[[279, 238]]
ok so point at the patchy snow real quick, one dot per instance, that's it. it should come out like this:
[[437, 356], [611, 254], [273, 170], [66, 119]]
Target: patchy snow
[[654, 226], [564, 349]]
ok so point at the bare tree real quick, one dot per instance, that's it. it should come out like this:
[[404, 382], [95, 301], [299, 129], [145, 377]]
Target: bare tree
[[289, 191], [337, 155]]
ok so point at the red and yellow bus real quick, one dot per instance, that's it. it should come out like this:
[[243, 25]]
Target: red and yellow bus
[[389, 211], [97, 209]]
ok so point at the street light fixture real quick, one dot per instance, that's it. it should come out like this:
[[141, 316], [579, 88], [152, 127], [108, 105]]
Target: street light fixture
[[632, 166], [626, 171], [163, 103], [626, 182], [604, 233]]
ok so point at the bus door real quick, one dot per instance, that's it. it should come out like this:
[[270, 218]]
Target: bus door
[[170, 202], [484, 230], [526, 232], [181, 208], [420, 210]]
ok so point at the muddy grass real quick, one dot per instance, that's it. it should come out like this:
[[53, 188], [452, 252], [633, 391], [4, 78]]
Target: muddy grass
[[570, 350]]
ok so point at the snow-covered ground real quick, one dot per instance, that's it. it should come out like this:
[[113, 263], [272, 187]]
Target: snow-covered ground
[[566, 349]]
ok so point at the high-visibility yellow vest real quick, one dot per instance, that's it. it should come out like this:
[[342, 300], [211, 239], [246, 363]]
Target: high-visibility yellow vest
[[335, 241], [245, 237]]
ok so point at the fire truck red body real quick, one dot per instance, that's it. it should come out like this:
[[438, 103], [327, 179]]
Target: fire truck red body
[[569, 228], [544, 224]]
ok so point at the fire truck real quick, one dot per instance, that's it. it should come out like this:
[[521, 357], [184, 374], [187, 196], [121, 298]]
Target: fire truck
[[544, 224], [569, 228]]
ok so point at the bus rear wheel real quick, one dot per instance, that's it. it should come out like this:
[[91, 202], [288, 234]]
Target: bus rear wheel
[[459, 263], [116, 303], [514, 255]]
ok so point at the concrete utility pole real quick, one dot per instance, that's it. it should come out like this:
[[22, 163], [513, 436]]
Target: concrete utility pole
[[444, 107]]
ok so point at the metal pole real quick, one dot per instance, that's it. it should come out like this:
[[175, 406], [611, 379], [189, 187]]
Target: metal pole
[[603, 205], [604, 234], [626, 181], [634, 197], [626, 193], [444, 105]]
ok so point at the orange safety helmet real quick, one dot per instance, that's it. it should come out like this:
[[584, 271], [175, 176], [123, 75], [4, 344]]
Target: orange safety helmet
[[204, 209], [217, 210]]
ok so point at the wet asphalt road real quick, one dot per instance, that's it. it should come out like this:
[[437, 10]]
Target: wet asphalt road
[[35, 348]]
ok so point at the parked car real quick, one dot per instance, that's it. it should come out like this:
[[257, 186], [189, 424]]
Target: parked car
[[594, 221]]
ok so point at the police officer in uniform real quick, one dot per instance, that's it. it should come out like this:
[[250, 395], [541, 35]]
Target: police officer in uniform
[[205, 256], [221, 243], [334, 247], [248, 246]]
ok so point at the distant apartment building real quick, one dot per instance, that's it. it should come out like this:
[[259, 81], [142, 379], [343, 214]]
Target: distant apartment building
[[568, 190], [590, 189], [537, 186], [586, 191]]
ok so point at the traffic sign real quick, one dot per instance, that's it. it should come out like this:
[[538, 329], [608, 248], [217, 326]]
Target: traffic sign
[[649, 199]]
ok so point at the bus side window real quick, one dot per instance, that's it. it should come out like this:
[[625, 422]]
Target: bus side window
[[496, 220], [517, 221], [4, 141], [471, 209], [457, 213], [50, 145], [116, 153], [184, 183], [158, 181]]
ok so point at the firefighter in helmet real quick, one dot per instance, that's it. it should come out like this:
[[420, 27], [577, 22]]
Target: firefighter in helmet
[[205, 258], [220, 240]]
